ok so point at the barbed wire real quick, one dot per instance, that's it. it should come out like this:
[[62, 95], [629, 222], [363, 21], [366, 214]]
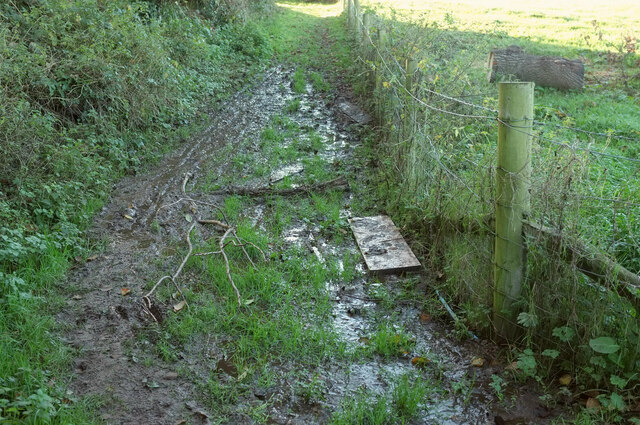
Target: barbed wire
[[408, 92]]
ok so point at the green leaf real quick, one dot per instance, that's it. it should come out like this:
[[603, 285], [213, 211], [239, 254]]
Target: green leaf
[[551, 353], [598, 361], [618, 381], [564, 333], [617, 402], [528, 320], [604, 345]]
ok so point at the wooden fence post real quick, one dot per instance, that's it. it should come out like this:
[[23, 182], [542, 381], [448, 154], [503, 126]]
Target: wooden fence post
[[350, 14], [366, 34], [513, 177]]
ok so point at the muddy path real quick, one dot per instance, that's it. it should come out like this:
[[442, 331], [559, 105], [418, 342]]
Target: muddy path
[[368, 338], [104, 322]]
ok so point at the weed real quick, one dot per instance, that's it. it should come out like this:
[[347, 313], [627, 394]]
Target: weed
[[390, 342], [409, 394], [299, 81], [497, 383], [155, 227], [293, 106], [313, 391], [464, 387], [318, 83], [364, 408]]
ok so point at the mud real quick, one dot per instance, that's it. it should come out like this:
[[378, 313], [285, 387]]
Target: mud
[[142, 234]]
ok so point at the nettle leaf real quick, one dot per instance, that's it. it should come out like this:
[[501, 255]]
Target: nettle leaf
[[604, 345], [618, 381], [564, 333], [598, 361], [617, 402], [527, 320]]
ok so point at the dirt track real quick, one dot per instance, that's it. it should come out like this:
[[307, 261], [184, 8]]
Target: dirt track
[[144, 236]]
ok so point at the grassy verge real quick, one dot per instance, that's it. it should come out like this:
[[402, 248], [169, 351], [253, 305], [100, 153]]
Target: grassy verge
[[90, 91]]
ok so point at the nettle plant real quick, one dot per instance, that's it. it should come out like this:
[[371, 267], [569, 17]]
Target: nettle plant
[[608, 365]]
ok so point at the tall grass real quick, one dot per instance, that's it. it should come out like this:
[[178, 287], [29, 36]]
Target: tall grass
[[436, 167]]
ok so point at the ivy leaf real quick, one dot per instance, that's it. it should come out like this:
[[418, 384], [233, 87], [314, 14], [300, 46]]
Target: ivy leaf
[[604, 345]]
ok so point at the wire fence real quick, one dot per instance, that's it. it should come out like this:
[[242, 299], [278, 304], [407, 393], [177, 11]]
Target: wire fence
[[583, 231]]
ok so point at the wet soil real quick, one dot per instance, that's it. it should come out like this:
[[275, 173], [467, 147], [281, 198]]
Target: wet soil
[[144, 227]]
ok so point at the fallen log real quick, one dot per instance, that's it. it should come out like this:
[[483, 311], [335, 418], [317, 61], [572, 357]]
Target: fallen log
[[544, 71], [339, 183]]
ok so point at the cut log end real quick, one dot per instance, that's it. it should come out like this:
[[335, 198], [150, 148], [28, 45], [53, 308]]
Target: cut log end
[[544, 71]]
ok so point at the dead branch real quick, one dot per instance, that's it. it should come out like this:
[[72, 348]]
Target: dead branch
[[216, 222], [226, 262], [339, 184], [593, 263], [147, 297], [589, 260], [230, 237]]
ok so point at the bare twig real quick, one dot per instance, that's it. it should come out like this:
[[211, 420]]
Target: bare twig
[[230, 237], [216, 222], [226, 262], [147, 297]]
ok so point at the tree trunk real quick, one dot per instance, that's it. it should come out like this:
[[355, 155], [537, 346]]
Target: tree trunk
[[544, 71]]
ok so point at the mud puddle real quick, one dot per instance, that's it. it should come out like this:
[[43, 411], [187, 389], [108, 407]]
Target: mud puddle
[[145, 223]]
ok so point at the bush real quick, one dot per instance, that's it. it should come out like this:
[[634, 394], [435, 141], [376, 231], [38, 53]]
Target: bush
[[89, 90]]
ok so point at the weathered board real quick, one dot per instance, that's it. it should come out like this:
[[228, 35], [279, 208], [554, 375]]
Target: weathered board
[[382, 246]]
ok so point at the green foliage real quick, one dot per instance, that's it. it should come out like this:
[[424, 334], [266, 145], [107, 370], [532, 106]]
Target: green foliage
[[604, 345], [436, 172], [404, 403], [299, 81], [89, 90], [389, 342], [497, 384]]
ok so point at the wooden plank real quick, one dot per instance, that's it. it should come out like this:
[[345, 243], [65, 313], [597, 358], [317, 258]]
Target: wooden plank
[[382, 246]]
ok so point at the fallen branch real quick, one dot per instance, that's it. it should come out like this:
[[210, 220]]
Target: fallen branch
[[339, 183], [216, 222], [226, 262], [230, 237], [591, 262], [147, 298]]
